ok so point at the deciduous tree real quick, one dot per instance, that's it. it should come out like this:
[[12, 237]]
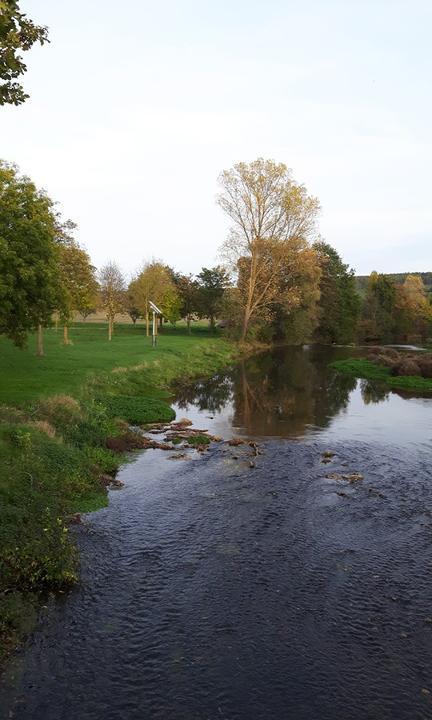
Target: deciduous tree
[[188, 290], [30, 289], [267, 209], [78, 281], [112, 292], [17, 33], [155, 283], [339, 303], [414, 313], [212, 283], [379, 309]]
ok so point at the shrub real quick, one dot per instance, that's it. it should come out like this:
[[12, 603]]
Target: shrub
[[60, 410], [387, 361], [425, 364], [390, 352], [20, 437], [406, 366]]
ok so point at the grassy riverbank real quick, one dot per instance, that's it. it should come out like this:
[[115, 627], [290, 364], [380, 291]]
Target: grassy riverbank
[[368, 370], [56, 415]]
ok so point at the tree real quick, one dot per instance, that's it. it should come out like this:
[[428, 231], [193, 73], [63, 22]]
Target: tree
[[379, 309], [414, 313], [268, 209], [294, 312], [87, 308], [30, 289], [188, 290], [155, 283], [339, 303], [112, 291], [78, 281], [212, 283], [17, 33], [132, 301]]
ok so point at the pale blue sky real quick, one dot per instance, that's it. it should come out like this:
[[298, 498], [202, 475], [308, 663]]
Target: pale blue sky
[[137, 106]]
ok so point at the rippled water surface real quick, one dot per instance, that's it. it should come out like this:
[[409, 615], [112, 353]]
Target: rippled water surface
[[212, 589]]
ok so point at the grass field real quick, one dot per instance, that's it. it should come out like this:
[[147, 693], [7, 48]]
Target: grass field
[[61, 418], [63, 369]]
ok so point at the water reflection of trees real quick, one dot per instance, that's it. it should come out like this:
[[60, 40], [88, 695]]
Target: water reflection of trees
[[372, 393], [211, 395], [277, 393], [283, 392]]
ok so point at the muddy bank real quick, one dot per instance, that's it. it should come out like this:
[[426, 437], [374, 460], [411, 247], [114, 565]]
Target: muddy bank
[[211, 589]]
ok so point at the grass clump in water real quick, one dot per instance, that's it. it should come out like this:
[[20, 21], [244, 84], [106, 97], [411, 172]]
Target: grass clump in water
[[361, 368], [198, 440]]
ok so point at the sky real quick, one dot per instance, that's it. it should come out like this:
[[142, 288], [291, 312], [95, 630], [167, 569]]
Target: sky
[[136, 107]]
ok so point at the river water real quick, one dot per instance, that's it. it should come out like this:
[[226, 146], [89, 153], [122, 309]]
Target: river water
[[229, 585]]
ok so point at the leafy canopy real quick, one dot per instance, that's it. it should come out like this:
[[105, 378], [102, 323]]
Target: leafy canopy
[[30, 290], [17, 33]]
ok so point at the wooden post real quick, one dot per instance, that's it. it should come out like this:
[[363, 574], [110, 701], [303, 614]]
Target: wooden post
[[154, 330]]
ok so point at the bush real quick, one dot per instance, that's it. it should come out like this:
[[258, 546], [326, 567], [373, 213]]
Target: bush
[[390, 352], [386, 360], [405, 367], [425, 364], [60, 410]]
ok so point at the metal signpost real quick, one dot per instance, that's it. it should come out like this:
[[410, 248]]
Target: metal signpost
[[155, 310]]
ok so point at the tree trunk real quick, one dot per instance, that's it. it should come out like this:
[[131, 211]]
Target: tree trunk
[[40, 345], [212, 323], [147, 324], [245, 326], [110, 328], [188, 321], [65, 335], [250, 294]]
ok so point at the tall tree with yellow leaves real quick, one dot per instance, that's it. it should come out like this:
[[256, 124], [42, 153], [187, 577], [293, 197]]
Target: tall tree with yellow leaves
[[269, 212]]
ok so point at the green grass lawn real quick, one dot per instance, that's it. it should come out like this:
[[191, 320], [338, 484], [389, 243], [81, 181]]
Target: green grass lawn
[[64, 369]]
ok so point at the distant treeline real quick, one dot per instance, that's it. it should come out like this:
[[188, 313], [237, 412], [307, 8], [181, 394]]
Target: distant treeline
[[396, 278]]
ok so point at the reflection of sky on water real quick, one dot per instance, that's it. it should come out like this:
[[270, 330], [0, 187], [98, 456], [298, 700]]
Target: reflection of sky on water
[[394, 419]]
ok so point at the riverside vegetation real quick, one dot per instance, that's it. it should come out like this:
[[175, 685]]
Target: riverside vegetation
[[63, 414], [387, 366]]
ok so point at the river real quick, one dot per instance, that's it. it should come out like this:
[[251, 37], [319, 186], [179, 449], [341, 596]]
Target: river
[[254, 587]]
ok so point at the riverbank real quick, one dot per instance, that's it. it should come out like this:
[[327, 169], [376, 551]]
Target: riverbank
[[361, 368], [66, 420]]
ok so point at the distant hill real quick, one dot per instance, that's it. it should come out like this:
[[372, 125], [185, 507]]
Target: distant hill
[[398, 278]]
